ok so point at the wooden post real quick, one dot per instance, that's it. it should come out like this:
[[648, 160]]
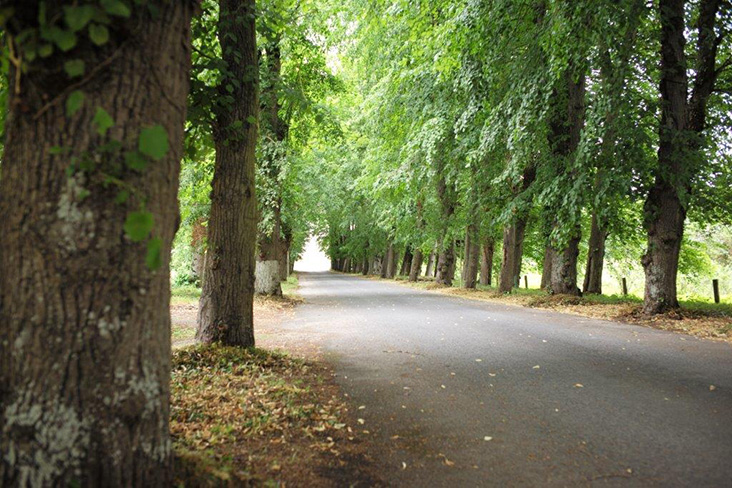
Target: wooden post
[[715, 286], [526, 281], [625, 287]]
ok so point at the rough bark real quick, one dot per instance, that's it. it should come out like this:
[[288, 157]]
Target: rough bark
[[446, 265], [272, 243], [566, 130], [416, 267], [546, 268], [225, 309], [430, 265], [365, 266], [472, 257], [406, 262], [595, 258], [392, 259], [267, 278], [564, 268], [513, 237], [683, 119], [486, 261], [85, 323]]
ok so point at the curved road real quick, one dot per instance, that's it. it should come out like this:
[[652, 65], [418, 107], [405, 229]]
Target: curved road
[[468, 393]]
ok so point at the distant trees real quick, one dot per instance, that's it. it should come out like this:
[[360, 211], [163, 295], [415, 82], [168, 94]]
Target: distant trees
[[88, 193], [553, 109]]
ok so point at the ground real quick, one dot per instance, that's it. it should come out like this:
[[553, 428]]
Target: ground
[[260, 417], [700, 319], [423, 389]]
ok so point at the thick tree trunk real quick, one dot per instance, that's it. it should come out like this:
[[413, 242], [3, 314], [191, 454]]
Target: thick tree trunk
[[84, 321], [387, 261], [683, 119], [564, 268], [513, 245], [446, 265], [546, 269], [393, 262], [407, 262], [225, 308], [430, 265], [565, 138], [365, 266], [486, 262], [472, 257], [284, 260], [416, 267], [595, 258]]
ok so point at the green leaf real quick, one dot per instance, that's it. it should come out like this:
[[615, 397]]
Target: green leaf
[[65, 40], [102, 121], [135, 160], [74, 67], [252, 119], [154, 141], [154, 257], [78, 16], [115, 7], [122, 197], [74, 102], [138, 225], [98, 34], [45, 50]]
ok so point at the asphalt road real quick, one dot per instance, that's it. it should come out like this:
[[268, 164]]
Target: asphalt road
[[465, 393]]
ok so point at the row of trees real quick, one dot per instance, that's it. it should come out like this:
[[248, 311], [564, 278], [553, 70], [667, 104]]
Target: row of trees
[[530, 126], [102, 106]]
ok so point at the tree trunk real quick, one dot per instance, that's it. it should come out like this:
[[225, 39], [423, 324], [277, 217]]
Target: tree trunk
[[595, 258], [284, 259], [85, 321], [486, 262], [407, 262], [472, 256], [564, 268], [387, 260], [513, 245], [446, 265], [546, 269], [225, 309], [392, 258], [683, 119], [565, 138], [416, 267], [430, 265]]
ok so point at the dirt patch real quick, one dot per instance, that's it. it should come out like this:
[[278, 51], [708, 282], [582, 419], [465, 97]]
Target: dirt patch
[[256, 418], [268, 312]]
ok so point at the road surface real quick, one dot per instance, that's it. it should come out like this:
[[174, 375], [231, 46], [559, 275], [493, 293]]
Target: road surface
[[466, 393]]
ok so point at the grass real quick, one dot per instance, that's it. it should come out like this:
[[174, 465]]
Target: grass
[[184, 294], [255, 417], [696, 317]]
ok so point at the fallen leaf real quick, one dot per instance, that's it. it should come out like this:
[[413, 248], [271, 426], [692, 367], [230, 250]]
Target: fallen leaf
[[536, 367], [712, 387], [361, 421], [579, 385], [487, 438]]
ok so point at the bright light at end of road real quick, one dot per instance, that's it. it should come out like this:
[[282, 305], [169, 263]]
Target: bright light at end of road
[[313, 258]]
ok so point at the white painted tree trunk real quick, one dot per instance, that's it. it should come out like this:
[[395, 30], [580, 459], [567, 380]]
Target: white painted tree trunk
[[267, 278]]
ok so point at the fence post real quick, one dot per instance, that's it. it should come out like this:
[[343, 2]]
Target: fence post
[[715, 286], [526, 281], [625, 287]]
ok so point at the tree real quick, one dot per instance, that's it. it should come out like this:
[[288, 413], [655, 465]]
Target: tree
[[683, 121], [93, 142], [226, 306]]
